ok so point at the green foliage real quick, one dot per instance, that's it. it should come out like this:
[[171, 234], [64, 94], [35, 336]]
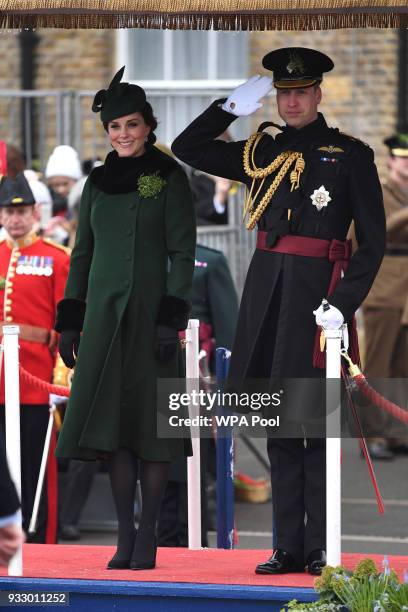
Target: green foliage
[[364, 590], [150, 185], [316, 606]]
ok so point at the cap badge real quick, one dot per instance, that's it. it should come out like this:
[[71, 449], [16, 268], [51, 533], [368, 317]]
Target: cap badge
[[331, 149], [320, 197], [296, 65], [16, 200]]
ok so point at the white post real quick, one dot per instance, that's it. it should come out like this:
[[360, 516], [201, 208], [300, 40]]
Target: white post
[[40, 482], [193, 463], [333, 448], [13, 444]]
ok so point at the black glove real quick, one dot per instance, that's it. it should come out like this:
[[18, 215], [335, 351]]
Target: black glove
[[167, 339], [68, 346]]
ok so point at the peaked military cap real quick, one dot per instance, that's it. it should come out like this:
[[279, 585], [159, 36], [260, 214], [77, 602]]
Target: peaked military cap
[[296, 66], [398, 144], [15, 192], [119, 99]]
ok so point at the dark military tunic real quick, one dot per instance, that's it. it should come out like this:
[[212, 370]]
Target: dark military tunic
[[119, 266], [345, 167], [214, 297], [276, 326]]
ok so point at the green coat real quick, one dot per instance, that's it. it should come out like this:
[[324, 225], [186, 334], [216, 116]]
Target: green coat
[[129, 253]]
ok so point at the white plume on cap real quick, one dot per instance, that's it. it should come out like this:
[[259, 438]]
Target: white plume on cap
[[64, 161]]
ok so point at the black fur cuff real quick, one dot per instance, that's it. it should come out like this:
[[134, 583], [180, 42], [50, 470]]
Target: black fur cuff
[[174, 312], [70, 315]]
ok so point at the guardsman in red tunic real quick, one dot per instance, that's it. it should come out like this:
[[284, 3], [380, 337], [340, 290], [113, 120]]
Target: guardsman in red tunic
[[33, 273]]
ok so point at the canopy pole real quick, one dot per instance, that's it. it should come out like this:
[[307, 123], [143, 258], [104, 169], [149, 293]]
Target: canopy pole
[[193, 463]]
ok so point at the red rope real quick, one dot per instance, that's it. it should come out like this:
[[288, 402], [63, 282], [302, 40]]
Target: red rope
[[379, 400], [43, 385]]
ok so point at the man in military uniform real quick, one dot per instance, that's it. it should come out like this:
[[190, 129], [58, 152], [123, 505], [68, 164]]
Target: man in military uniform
[[33, 273], [306, 185], [215, 305], [386, 312]]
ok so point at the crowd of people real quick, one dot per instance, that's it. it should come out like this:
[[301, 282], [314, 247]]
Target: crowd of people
[[136, 274]]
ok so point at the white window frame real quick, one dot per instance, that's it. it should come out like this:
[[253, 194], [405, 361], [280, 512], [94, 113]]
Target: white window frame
[[174, 88]]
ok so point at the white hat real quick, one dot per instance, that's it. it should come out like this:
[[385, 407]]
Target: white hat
[[64, 161]]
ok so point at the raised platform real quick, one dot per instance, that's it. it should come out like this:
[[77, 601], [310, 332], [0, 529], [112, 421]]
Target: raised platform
[[183, 580]]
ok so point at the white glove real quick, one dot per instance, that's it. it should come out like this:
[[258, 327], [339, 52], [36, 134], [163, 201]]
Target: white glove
[[244, 100], [330, 318]]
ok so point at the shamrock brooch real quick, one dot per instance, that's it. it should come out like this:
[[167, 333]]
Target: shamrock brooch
[[150, 185]]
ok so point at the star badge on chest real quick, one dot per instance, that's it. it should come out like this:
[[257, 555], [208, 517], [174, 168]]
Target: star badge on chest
[[320, 197]]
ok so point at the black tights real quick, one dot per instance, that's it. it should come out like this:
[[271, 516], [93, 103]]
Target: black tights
[[123, 471]]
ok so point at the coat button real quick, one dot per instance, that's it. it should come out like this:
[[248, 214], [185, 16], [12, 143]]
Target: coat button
[[9, 319], [130, 232], [132, 206], [128, 257], [127, 284]]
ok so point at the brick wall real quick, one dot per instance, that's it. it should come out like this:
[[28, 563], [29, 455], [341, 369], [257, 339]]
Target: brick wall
[[360, 94], [67, 60]]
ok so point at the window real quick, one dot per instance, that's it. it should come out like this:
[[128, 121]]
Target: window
[[183, 71]]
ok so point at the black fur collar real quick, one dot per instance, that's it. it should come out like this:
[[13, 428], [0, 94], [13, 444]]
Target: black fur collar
[[120, 174]]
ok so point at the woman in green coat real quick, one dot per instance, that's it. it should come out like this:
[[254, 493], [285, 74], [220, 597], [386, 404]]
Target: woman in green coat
[[128, 293]]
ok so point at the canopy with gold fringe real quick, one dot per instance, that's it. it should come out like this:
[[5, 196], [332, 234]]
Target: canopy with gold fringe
[[205, 14]]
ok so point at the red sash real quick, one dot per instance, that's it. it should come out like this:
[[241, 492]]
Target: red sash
[[335, 251]]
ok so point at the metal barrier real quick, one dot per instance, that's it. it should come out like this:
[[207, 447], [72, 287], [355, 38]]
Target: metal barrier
[[43, 115], [234, 240]]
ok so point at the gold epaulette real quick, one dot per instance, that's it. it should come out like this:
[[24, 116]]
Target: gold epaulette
[[66, 250]]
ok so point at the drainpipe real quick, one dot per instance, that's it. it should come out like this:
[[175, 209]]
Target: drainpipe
[[28, 40], [402, 122]]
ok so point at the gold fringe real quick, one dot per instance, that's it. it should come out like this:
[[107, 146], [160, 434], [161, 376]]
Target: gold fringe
[[203, 6], [205, 14]]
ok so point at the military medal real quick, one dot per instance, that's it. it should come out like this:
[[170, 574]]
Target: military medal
[[200, 264], [35, 265], [320, 197]]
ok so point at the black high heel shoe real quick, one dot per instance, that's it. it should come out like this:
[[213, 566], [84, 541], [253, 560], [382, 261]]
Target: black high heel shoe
[[120, 564], [146, 559]]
